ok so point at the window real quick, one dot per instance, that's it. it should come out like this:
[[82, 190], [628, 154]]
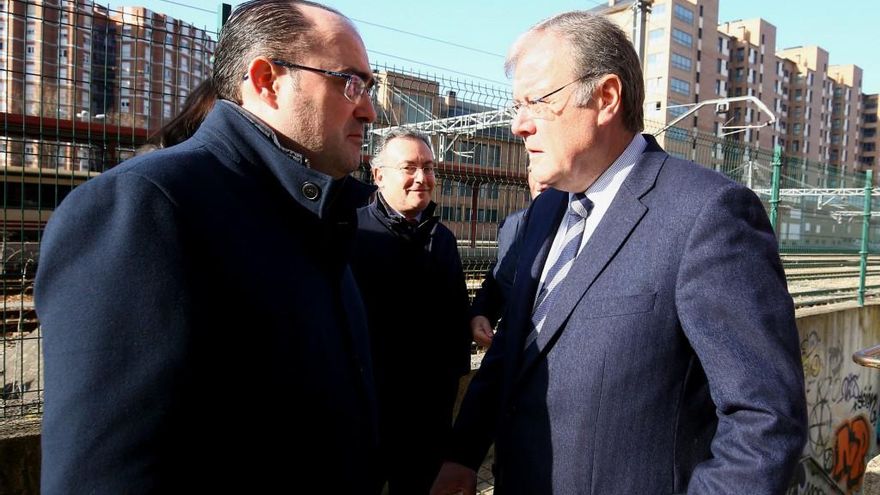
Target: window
[[415, 108], [447, 213], [656, 35], [682, 38], [683, 14], [680, 62], [676, 110], [446, 187], [488, 155], [126, 50], [658, 10], [655, 60], [679, 86]]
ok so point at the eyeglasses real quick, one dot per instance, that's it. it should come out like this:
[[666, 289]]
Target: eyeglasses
[[539, 108], [412, 169], [355, 87]]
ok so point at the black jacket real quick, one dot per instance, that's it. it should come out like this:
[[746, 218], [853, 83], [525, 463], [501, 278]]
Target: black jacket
[[413, 286]]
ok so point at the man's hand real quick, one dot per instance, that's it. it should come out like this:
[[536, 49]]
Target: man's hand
[[455, 478], [482, 330]]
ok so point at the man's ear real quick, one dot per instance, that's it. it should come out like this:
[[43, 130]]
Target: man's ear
[[608, 93], [260, 82], [377, 176]]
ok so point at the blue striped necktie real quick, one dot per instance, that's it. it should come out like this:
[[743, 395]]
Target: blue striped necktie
[[578, 211]]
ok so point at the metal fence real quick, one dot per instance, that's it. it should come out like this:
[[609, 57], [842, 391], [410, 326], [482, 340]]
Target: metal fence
[[82, 86]]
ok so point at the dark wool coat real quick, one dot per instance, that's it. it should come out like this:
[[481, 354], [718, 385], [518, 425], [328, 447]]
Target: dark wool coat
[[202, 330]]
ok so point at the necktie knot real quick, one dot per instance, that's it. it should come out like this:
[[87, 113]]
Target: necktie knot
[[580, 205]]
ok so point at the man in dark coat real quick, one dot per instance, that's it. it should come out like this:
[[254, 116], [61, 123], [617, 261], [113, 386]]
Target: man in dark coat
[[409, 271], [202, 329], [650, 345], [491, 298]]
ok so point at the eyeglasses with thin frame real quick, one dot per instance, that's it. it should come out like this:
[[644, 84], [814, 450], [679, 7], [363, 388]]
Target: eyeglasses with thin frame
[[539, 108], [411, 170], [355, 87]]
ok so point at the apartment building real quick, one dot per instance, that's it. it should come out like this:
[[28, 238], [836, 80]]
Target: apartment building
[[690, 57], [72, 65], [870, 139], [80, 87], [680, 66], [846, 112]]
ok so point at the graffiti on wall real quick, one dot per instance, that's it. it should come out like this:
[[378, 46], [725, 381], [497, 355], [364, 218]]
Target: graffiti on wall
[[842, 407]]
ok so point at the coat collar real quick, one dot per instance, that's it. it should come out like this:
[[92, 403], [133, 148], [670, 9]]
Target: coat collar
[[399, 225], [249, 143]]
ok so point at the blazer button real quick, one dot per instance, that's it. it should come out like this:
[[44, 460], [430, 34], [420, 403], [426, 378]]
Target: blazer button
[[311, 191]]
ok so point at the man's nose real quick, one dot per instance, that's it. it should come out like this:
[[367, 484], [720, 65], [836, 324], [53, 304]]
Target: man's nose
[[364, 110], [522, 124]]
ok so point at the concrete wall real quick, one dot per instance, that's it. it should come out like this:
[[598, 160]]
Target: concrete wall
[[841, 399]]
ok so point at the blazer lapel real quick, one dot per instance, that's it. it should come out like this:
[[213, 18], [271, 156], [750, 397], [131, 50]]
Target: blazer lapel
[[624, 214]]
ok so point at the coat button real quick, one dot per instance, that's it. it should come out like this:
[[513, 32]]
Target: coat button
[[311, 191]]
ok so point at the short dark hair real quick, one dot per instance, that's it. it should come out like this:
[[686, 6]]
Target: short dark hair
[[398, 133], [272, 28], [599, 47]]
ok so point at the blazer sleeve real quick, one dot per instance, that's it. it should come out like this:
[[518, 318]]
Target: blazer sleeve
[[112, 298], [492, 296], [735, 309]]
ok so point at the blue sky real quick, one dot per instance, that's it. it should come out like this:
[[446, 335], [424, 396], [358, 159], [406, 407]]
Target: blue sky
[[491, 25]]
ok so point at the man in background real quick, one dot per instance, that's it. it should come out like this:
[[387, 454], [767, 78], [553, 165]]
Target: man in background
[[408, 268], [491, 298]]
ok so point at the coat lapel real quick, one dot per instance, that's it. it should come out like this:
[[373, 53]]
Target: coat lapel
[[624, 214]]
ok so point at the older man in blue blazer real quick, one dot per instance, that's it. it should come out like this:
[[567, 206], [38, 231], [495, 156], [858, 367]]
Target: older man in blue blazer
[[203, 332], [650, 343]]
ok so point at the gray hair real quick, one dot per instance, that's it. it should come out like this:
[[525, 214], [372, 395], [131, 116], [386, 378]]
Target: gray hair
[[599, 47], [399, 133], [271, 28]]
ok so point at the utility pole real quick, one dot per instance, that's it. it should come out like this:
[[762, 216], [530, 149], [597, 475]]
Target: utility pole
[[641, 9], [224, 10]]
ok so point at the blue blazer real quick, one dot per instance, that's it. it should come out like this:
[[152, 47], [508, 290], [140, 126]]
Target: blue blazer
[[202, 329], [492, 296], [670, 363]]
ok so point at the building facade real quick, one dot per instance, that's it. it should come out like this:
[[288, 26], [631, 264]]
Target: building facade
[[81, 87], [690, 57]]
